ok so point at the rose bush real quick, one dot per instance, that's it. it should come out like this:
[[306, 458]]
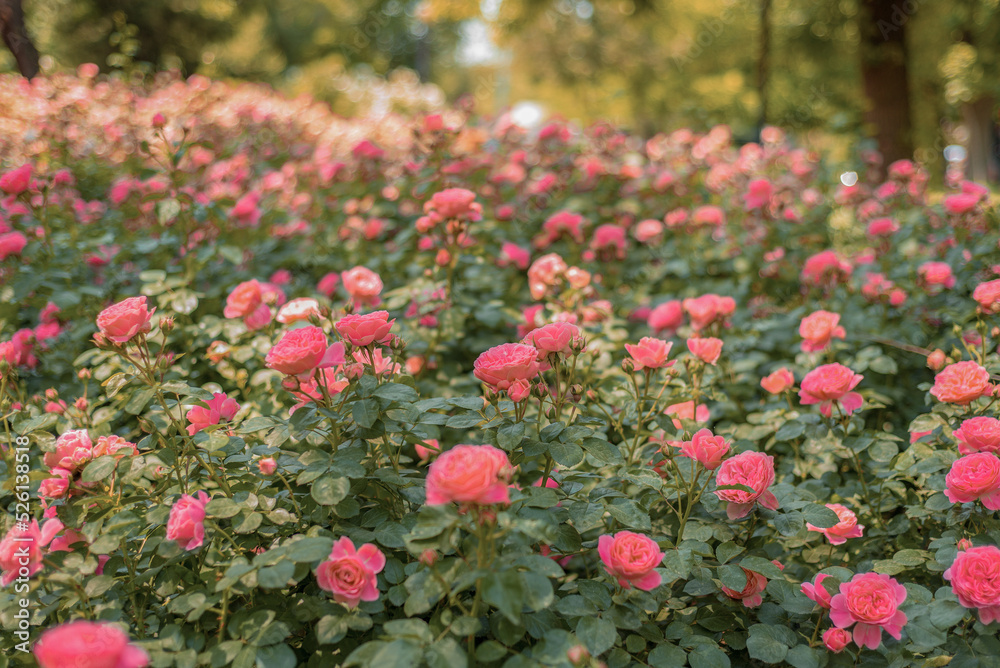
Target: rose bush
[[281, 388]]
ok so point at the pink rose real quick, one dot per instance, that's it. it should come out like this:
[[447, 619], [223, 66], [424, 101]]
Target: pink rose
[[298, 352], [91, 644], [428, 450], [115, 446], [758, 194], [751, 469], [823, 267], [978, 434], [706, 349], [961, 383], [936, 360], [469, 474], [24, 544], [778, 381], [975, 476], [706, 448], [836, 639], [544, 272], [847, 527], [501, 366], [686, 411], [56, 488], [666, 317], [871, 601], [267, 465], [12, 243], [987, 295], [364, 330], [817, 329], [556, 338], [245, 298], [882, 227], [631, 558], [350, 574], [708, 309], [363, 285], [124, 320], [73, 450], [302, 308], [511, 253], [186, 523], [817, 592], [16, 181], [751, 593], [219, 408], [975, 579], [962, 203], [936, 274], [650, 353], [327, 285], [648, 231], [831, 384]]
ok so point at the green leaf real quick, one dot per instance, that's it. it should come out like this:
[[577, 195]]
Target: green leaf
[[790, 431], [504, 591], [331, 629], [396, 392], [803, 656], [466, 421], [490, 651], [99, 469], [764, 646], [602, 451], [820, 516], [733, 576], [666, 655], [308, 550], [707, 656], [447, 653], [538, 594], [330, 490], [222, 507], [98, 584], [566, 454], [509, 436], [276, 656], [628, 513], [599, 635], [365, 412], [762, 566], [276, 576], [727, 551]]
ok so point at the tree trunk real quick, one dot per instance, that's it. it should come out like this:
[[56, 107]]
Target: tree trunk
[[764, 62], [981, 163], [884, 72], [15, 36]]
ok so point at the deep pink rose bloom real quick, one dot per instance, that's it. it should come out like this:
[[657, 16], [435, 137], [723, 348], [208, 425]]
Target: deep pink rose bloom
[[56, 488], [978, 434], [648, 231], [511, 253], [778, 381], [752, 469], [350, 574], [450, 204], [882, 227], [73, 450], [16, 181], [961, 203], [429, 451], [937, 274], [708, 309], [363, 285], [823, 266], [961, 383], [631, 558], [469, 474], [650, 353], [817, 592], [124, 320], [758, 194], [706, 349], [501, 366], [71, 537], [847, 527], [975, 579], [751, 593], [12, 243], [818, 329], [557, 338], [186, 523], [870, 601], [987, 295], [245, 298], [829, 384], [18, 541], [364, 330], [298, 352], [708, 216], [609, 237], [836, 639], [87, 644], [706, 448], [219, 408], [666, 317], [975, 476], [327, 285]]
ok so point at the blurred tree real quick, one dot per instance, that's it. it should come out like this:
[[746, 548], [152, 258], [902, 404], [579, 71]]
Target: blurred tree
[[15, 36], [885, 74]]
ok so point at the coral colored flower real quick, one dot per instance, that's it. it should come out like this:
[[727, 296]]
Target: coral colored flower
[[818, 329], [350, 574], [936, 360], [298, 352], [937, 275], [327, 285], [686, 411], [73, 450], [544, 273], [961, 383], [12, 243], [751, 593], [470, 474], [186, 523], [267, 465], [511, 253], [987, 295], [631, 558], [57, 487], [846, 527], [975, 476], [648, 231], [450, 204], [244, 299], [21, 548], [751, 469], [650, 353], [219, 408], [831, 384], [978, 434], [882, 227], [363, 285], [609, 239], [871, 602], [836, 640], [124, 320], [115, 446], [364, 330], [825, 266], [556, 338], [666, 317], [975, 579], [708, 309], [778, 381], [501, 366], [706, 448], [16, 181], [961, 203], [88, 644], [758, 194], [302, 308], [519, 391], [428, 450], [817, 592], [706, 349]]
